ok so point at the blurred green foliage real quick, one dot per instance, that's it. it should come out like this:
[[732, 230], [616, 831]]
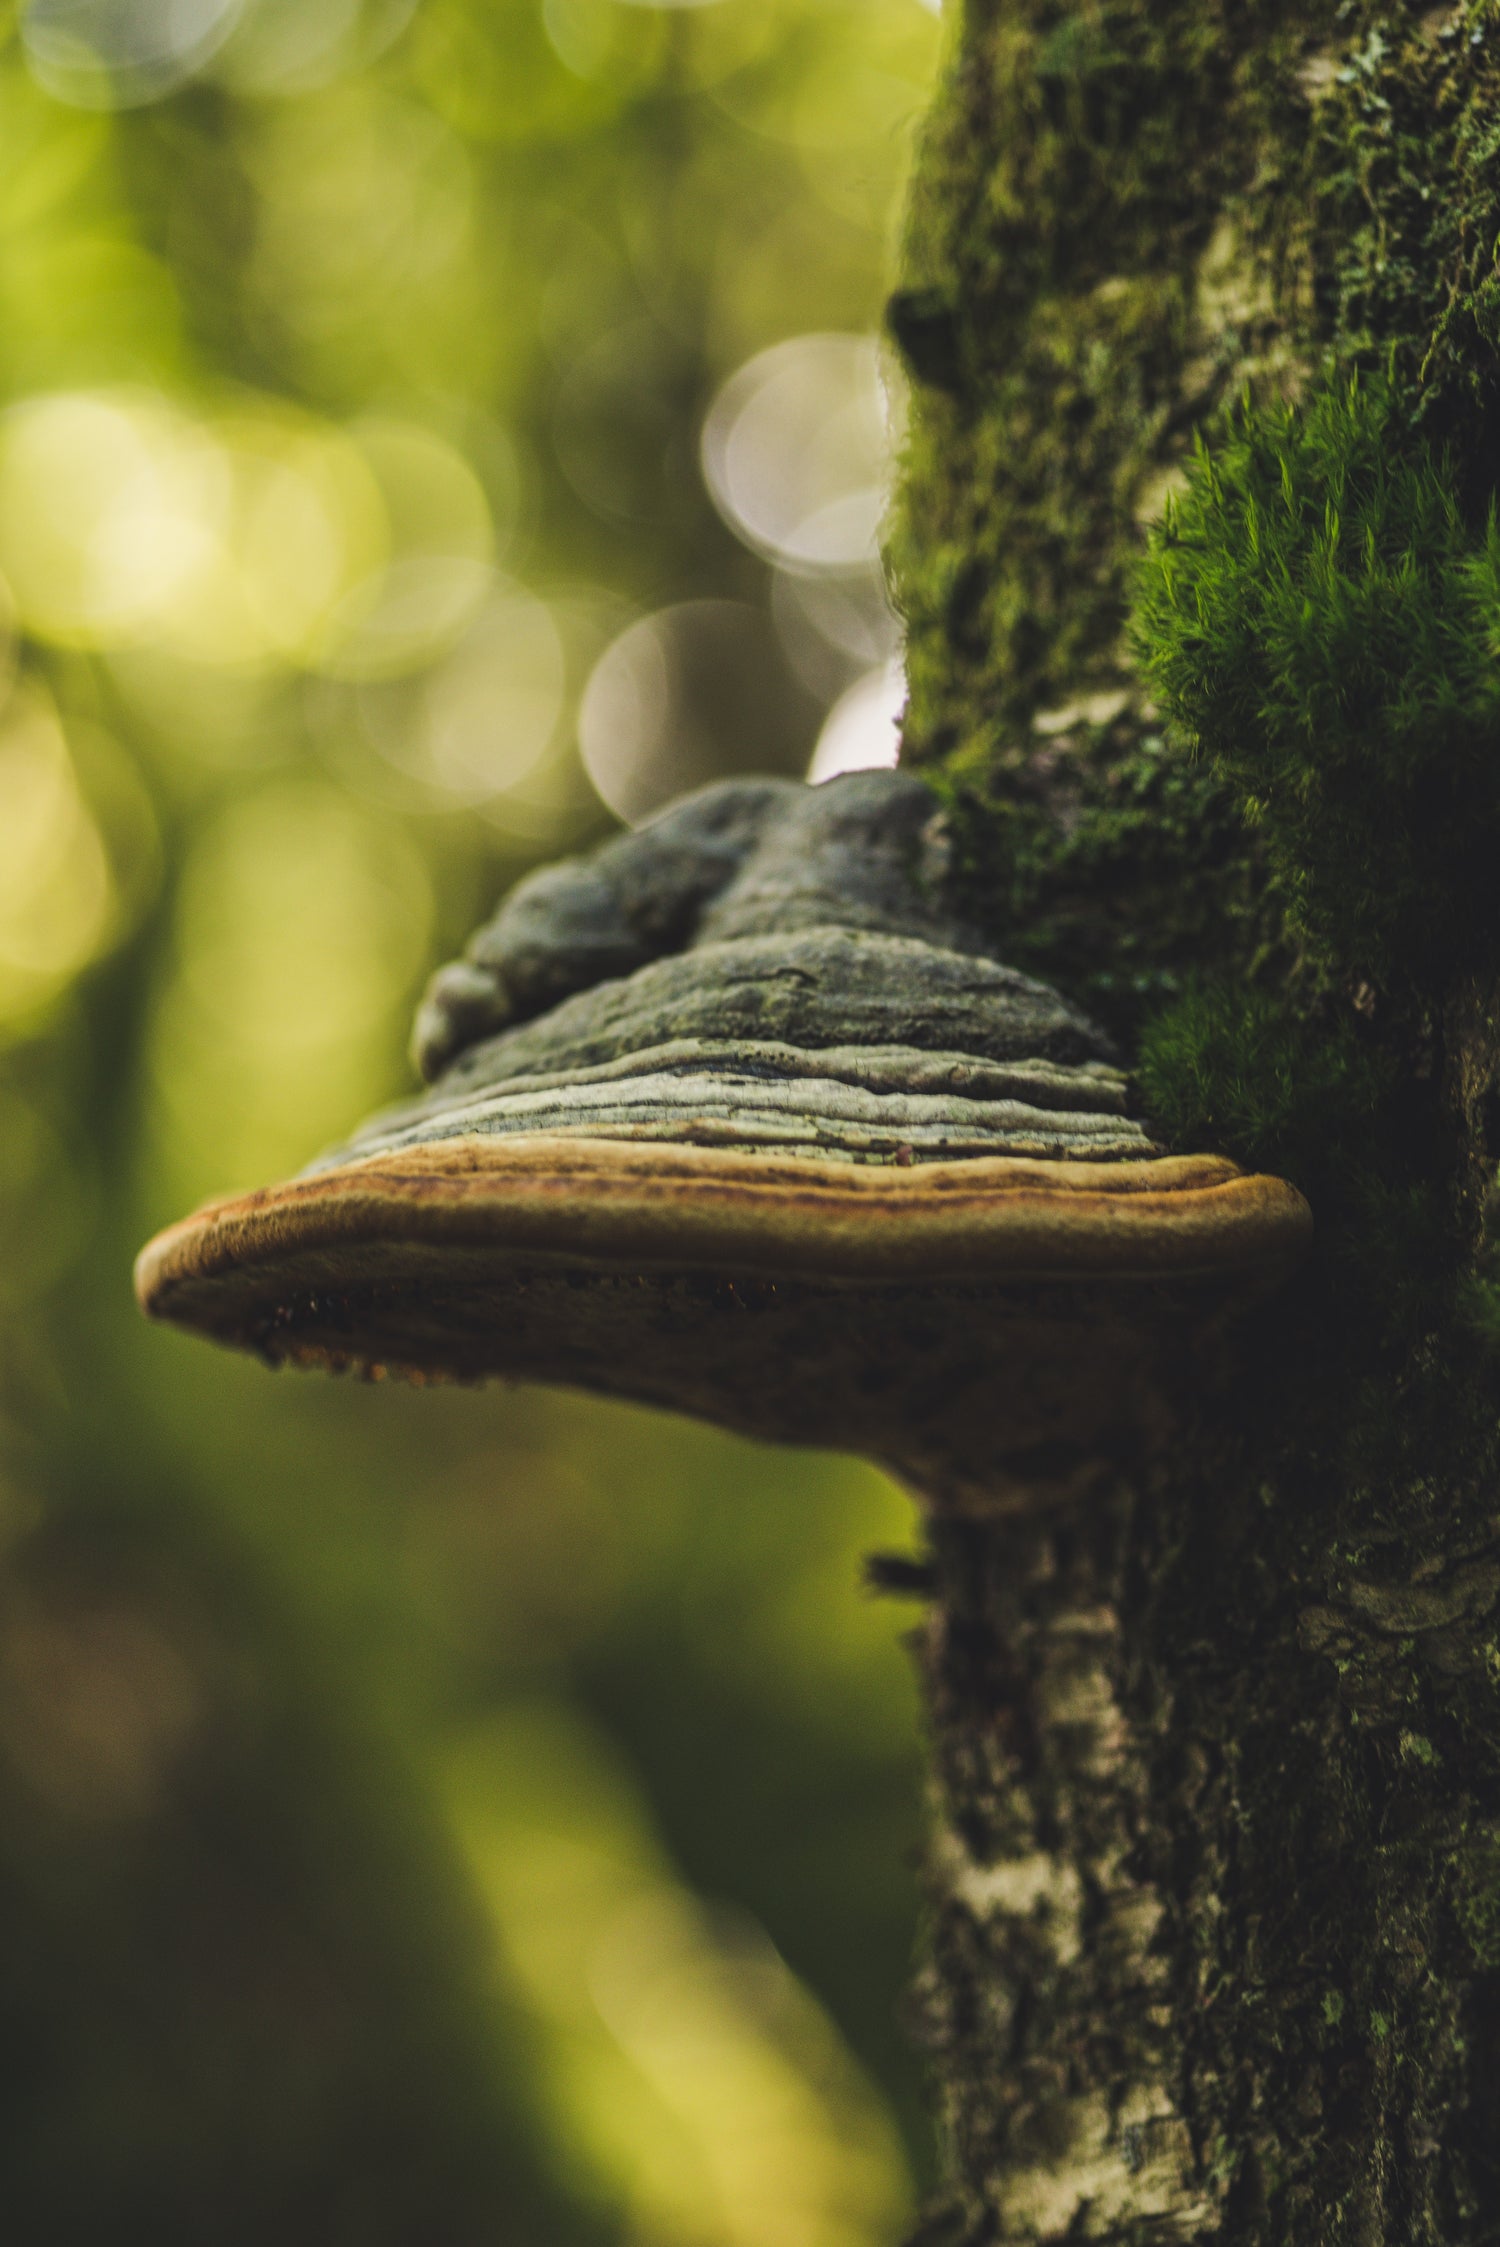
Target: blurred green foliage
[[426, 1817]]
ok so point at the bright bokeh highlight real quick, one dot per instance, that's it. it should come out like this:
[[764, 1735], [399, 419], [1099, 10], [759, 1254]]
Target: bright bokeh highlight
[[57, 892], [708, 2094], [796, 450], [301, 927], [864, 726]]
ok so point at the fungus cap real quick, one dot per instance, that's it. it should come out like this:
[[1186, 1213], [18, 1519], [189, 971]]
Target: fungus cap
[[735, 1118]]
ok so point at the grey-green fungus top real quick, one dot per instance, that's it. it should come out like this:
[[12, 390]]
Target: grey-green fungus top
[[764, 965]]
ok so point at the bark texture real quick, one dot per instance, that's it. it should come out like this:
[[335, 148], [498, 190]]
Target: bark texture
[[1214, 1932]]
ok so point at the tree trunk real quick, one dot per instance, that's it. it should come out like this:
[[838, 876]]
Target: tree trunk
[[1214, 1933]]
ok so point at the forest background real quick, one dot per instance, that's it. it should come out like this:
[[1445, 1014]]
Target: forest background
[[430, 1816]]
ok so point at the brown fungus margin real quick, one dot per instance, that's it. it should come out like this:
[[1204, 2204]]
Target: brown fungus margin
[[938, 1318]]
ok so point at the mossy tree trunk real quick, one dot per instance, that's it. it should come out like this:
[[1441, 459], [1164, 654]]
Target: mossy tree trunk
[[1214, 1930]]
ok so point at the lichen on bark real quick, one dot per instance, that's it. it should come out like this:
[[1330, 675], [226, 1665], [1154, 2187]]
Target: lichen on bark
[[1130, 223]]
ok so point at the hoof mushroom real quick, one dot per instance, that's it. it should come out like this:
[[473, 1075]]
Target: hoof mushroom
[[735, 1117]]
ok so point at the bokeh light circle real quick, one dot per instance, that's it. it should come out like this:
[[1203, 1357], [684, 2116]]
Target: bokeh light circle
[[297, 46], [796, 452], [109, 504], [265, 538], [484, 717], [437, 575], [117, 54], [689, 695], [834, 626], [863, 729]]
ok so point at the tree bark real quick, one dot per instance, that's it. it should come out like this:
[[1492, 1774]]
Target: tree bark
[[1213, 1942]]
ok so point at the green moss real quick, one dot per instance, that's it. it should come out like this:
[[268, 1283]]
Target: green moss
[[1086, 855], [1321, 621], [1321, 617], [1479, 1308], [1233, 1068], [1125, 212], [1399, 180], [1126, 215], [1313, 1097], [1476, 1896], [1052, 314]]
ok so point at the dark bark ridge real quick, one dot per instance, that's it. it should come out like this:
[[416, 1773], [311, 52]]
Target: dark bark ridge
[[1214, 1934]]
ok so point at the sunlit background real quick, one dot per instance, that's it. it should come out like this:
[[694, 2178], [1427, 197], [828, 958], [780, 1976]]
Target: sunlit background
[[434, 432]]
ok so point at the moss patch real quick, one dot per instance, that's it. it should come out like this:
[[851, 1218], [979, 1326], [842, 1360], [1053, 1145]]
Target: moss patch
[[1323, 624], [1230, 1068], [1124, 212]]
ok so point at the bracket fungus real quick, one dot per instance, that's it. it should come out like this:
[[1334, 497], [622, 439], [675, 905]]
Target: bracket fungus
[[736, 1116]]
